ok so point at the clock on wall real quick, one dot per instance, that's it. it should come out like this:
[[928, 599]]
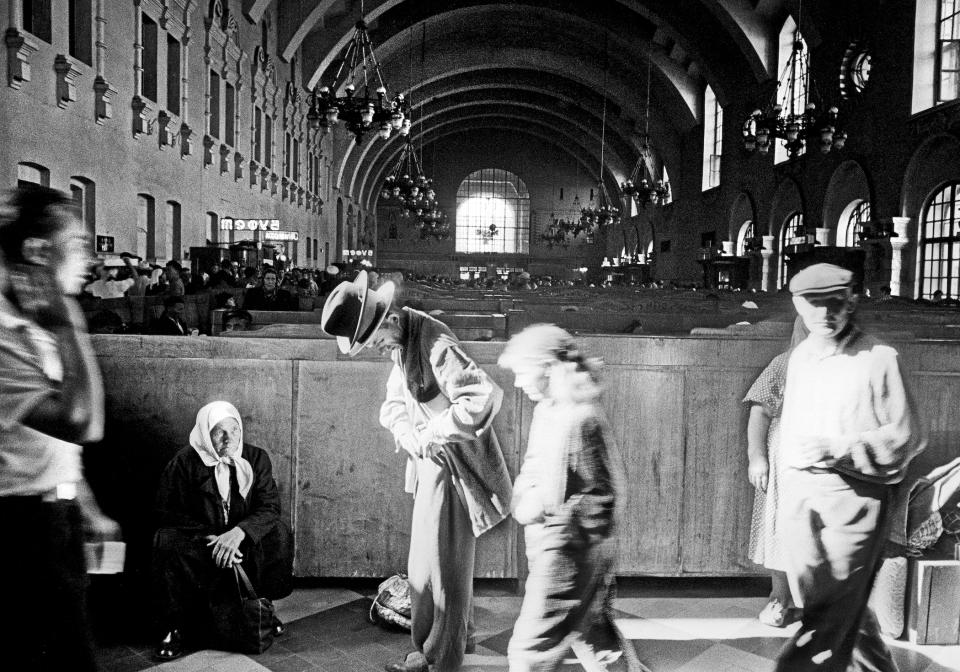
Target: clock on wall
[[855, 69]]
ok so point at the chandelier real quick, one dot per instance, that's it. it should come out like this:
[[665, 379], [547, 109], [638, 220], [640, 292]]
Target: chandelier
[[407, 186], [489, 233], [603, 212], [562, 229], [645, 191], [433, 224], [782, 119], [359, 108]]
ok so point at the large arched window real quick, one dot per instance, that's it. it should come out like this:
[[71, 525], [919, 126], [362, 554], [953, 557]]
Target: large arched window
[[146, 226], [493, 213], [84, 194], [32, 173], [791, 233], [745, 234], [940, 244], [852, 219]]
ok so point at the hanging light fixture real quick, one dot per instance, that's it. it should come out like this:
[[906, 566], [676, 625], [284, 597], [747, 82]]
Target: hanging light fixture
[[358, 107], [406, 185], [782, 119], [645, 191], [603, 212]]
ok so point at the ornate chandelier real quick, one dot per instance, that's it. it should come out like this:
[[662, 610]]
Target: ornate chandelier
[[784, 120], [359, 108], [433, 224], [645, 191], [407, 186], [603, 212]]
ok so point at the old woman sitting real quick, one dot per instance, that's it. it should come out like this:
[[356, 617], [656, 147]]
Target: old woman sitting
[[217, 505]]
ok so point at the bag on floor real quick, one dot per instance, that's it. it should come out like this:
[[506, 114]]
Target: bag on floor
[[244, 622], [391, 606]]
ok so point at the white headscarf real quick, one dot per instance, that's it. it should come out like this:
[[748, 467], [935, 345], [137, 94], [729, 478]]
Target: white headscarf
[[207, 419]]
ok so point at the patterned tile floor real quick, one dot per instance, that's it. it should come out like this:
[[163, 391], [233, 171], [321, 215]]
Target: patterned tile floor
[[328, 631]]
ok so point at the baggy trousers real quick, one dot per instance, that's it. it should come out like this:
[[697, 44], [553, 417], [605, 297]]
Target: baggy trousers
[[566, 603], [44, 625], [440, 568], [833, 534]]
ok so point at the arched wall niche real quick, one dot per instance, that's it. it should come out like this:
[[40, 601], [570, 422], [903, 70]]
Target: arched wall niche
[[742, 210], [848, 184], [935, 162], [787, 199]]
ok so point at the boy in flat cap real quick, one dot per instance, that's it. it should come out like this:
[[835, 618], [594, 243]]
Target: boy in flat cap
[[440, 408], [848, 430]]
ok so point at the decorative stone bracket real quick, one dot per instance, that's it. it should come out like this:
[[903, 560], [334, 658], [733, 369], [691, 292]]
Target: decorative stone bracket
[[208, 144], [224, 159], [264, 175], [166, 136], [67, 76], [274, 179], [285, 183], [300, 192], [142, 124], [238, 166], [103, 96], [186, 140], [254, 170], [20, 48]]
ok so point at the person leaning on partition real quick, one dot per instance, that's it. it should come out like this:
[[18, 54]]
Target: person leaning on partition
[[566, 496], [217, 505], [848, 430], [440, 408], [51, 400]]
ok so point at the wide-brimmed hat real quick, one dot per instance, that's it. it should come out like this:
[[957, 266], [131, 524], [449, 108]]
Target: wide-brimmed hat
[[353, 312]]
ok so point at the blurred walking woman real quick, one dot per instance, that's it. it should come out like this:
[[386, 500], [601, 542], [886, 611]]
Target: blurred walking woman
[[566, 497], [51, 400]]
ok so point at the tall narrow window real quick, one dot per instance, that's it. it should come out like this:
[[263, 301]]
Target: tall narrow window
[[493, 213], [36, 18], [148, 38], [287, 153], [85, 196], [851, 223], [229, 110], [315, 250], [173, 75], [296, 161], [146, 226], [940, 244], [948, 50], [80, 24], [32, 173], [794, 81], [174, 248], [214, 104], [257, 132], [792, 233], [745, 234], [268, 141], [213, 228], [712, 139]]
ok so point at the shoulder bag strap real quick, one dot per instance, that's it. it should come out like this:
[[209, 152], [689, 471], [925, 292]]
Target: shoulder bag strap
[[241, 576]]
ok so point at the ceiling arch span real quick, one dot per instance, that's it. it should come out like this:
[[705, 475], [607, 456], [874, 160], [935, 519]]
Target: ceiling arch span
[[353, 167], [567, 138], [717, 37], [254, 9], [465, 36], [580, 159]]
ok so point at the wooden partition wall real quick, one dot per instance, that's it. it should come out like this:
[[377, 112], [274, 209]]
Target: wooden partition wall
[[674, 404]]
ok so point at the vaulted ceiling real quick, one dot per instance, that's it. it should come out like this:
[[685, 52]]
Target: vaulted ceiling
[[538, 67]]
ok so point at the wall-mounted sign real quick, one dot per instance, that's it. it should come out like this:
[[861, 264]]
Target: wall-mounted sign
[[104, 243], [281, 235], [358, 253], [230, 224]]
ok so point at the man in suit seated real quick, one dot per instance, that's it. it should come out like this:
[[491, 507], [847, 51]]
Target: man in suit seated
[[170, 322]]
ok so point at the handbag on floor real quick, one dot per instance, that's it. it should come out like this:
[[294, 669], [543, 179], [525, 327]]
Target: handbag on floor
[[391, 606], [244, 622]]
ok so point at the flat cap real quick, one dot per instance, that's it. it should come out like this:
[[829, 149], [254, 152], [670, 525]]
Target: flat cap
[[820, 279]]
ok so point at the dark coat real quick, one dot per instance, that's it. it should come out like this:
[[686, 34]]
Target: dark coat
[[188, 499], [255, 299]]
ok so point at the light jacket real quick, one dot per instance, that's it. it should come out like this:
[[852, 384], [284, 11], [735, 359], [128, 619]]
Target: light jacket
[[460, 420]]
